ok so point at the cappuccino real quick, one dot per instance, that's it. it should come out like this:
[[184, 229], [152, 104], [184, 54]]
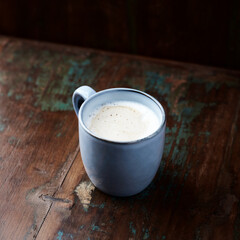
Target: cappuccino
[[123, 121]]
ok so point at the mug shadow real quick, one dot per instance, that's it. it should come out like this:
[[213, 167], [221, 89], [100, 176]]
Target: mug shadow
[[168, 200]]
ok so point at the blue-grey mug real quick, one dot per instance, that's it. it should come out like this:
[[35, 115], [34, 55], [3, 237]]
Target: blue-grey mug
[[118, 168]]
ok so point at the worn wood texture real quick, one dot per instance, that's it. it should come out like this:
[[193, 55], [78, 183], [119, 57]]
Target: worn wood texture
[[199, 31], [195, 194]]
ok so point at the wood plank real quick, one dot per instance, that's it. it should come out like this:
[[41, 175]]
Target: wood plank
[[195, 194], [183, 31]]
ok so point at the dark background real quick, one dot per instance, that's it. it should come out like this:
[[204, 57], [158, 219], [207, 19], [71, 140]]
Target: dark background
[[199, 31]]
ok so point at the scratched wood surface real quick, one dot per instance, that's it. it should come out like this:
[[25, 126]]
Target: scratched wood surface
[[44, 190]]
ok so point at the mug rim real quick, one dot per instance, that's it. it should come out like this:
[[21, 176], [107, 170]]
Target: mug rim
[[80, 115]]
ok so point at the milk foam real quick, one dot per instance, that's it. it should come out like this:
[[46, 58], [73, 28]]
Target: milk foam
[[123, 121]]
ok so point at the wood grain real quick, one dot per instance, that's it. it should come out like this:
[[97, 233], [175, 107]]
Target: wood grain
[[195, 194], [200, 31]]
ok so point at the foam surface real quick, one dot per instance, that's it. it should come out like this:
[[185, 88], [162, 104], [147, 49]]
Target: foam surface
[[123, 121]]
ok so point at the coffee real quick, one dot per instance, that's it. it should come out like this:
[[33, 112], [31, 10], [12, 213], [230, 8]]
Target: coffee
[[123, 121]]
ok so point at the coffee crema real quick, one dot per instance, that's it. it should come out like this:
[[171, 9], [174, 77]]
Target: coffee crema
[[123, 121]]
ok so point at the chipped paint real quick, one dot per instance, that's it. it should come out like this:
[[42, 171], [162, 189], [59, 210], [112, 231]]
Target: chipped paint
[[59, 236], [59, 134], [172, 93], [146, 234], [18, 97], [3, 77], [30, 114], [84, 192], [182, 111], [132, 229], [69, 235], [172, 88], [29, 79], [10, 93], [207, 133], [69, 76], [101, 206], [212, 104], [86, 62], [81, 227], [2, 127], [51, 75], [156, 82], [13, 141], [95, 227]]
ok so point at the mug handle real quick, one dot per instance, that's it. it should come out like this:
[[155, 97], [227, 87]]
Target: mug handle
[[80, 95]]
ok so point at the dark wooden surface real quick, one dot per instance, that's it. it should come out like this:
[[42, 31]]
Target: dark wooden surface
[[199, 31], [195, 194]]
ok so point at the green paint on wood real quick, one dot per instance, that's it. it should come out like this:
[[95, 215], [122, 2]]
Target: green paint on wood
[[101, 206], [173, 90], [18, 97], [156, 82], [30, 114], [146, 234], [132, 229], [10, 93], [169, 139], [213, 104], [2, 127], [59, 134], [81, 227], [3, 77], [13, 140], [209, 86], [179, 154], [172, 130], [95, 227], [1, 160], [85, 62], [59, 236], [58, 96], [51, 75], [207, 134], [29, 79]]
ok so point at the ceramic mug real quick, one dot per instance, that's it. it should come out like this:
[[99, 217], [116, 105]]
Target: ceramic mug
[[118, 168]]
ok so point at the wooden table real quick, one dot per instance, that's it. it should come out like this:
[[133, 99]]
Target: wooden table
[[195, 194]]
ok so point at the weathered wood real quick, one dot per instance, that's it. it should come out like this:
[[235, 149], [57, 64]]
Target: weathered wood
[[196, 192]]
